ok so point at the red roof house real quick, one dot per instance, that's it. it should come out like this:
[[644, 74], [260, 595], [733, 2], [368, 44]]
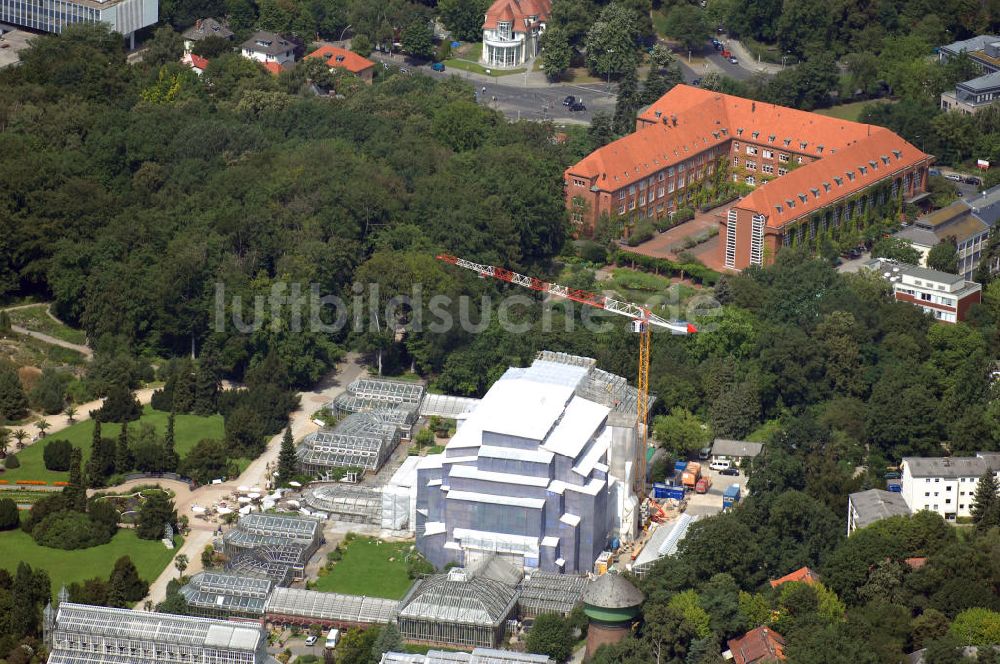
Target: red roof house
[[758, 645], [803, 575], [339, 58], [512, 30], [273, 68], [195, 62]]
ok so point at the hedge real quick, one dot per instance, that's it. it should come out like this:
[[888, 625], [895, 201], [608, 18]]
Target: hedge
[[696, 271]]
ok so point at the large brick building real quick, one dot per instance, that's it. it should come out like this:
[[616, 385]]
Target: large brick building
[[810, 173]]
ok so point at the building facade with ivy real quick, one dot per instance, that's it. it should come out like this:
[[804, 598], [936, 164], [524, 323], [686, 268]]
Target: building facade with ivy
[[796, 176]]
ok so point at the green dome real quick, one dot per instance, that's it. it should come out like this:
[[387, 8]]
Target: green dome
[[610, 598]]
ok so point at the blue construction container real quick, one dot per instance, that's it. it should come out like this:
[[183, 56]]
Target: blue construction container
[[730, 496], [660, 490], [680, 466], [675, 492]]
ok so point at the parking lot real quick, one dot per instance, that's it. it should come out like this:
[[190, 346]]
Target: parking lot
[[707, 504]]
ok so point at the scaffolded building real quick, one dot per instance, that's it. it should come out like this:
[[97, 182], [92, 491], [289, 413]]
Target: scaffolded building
[[363, 440], [272, 545], [81, 634], [294, 606], [477, 656], [458, 608], [227, 595], [539, 473]]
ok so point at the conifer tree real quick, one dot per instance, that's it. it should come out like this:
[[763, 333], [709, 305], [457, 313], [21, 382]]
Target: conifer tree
[[95, 474], [123, 456], [287, 461], [75, 491], [986, 501], [171, 459]]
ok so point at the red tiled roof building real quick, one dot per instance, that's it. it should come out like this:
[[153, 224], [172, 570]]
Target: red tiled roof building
[[511, 31], [340, 58], [812, 173], [758, 645], [802, 575]]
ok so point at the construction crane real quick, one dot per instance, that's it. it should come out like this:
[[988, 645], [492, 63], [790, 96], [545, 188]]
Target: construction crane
[[643, 321]]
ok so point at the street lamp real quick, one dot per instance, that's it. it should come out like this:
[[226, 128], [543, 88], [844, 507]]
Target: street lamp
[[608, 60], [342, 33]]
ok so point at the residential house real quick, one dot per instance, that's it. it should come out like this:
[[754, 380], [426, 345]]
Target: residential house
[[195, 62], [947, 297], [758, 645], [203, 28], [967, 223], [983, 51], [734, 451], [866, 507], [973, 95], [340, 58], [801, 575], [512, 30], [268, 47], [946, 485], [812, 174], [122, 16]]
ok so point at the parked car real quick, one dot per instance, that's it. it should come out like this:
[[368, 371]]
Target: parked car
[[696, 82], [577, 106], [933, 171], [438, 66], [311, 639], [732, 470], [734, 60], [973, 180], [954, 177], [704, 453], [569, 101], [720, 465]]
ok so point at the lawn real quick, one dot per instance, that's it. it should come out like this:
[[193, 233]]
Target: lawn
[[850, 111], [37, 320], [370, 567], [476, 68], [64, 567], [188, 430]]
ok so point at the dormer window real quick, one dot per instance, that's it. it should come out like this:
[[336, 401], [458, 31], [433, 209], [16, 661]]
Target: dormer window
[[873, 164], [503, 29], [815, 192], [739, 131], [863, 169], [839, 181], [897, 154], [803, 198], [340, 58], [778, 208], [788, 142], [802, 145], [755, 134], [826, 186], [819, 149], [850, 175], [885, 159], [770, 139]]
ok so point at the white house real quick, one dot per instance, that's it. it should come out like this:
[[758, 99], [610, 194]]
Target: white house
[[511, 31], [734, 451], [268, 47], [866, 507], [945, 485]]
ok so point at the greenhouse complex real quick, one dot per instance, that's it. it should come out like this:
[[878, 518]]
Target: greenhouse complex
[[477, 656], [272, 545], [227, 595], [78, 634]]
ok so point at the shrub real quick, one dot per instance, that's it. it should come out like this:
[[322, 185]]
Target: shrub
[[11, 462], [592, 252], [56, 454], [641, 233], [9, 516], [683, 214], [69, 530]]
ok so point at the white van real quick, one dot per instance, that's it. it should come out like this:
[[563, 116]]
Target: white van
[[332, 637], [720, 465]]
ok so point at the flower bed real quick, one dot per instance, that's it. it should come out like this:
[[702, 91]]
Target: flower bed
[[32, 482]]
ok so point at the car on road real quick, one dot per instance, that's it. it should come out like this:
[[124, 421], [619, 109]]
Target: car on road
[[733, 59], [973, 180], [569, 100], [954, 177], [577, 106], [732, 470], [438, 66], [696, 82], [704, 453], [311, 640]]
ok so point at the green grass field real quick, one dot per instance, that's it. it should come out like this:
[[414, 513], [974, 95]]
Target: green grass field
[[850, 111], [37, 320], [65, 567], [188, 430], [476, 68], [367, 570]]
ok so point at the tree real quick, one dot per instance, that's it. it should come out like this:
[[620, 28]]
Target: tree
[[657, 83], [944, 257], [57, 455], [463, 18], [124, 461], [389, 640], [681, 432], [154, 513], [119, 406], [10, 518], [212, 46], [627, 104], [171, 459], [13, 402], [19, 435], [75, 491], [686, 23], [5, 323], [124, 585], [181, 563], [986, 500], [70, 413], [42, 425], [287, 459], [557, 54], [896, 249], [11, 462], [418, 39], [550, 635], [165, 47], [361, 45], [977, 627], [207, 460], [611, 41], [49, 394]]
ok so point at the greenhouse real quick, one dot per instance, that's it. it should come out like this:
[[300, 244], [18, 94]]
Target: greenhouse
[[273, 545], [82, 634], [662, 542], [362, 440], [398, 401], [226, 594], [444, 405], [293, 606], [477, 656], [457, 608], [344, 502], [541, 592]]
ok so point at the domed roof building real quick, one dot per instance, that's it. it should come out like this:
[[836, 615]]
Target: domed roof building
[[612, 604], [458, 608]]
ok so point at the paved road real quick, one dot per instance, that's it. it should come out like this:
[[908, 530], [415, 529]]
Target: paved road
[[83, 349], [257, 473]]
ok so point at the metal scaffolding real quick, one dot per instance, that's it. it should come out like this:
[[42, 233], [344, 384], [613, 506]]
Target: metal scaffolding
[[362, 440], [81, 634], [541, 592], [225, 594], [344, 502], [306, 607]]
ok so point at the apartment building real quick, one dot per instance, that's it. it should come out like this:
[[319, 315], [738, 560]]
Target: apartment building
[[810, 173], [124, 16], [947, 297], [512, 30], [973, 95], [946, 485]]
